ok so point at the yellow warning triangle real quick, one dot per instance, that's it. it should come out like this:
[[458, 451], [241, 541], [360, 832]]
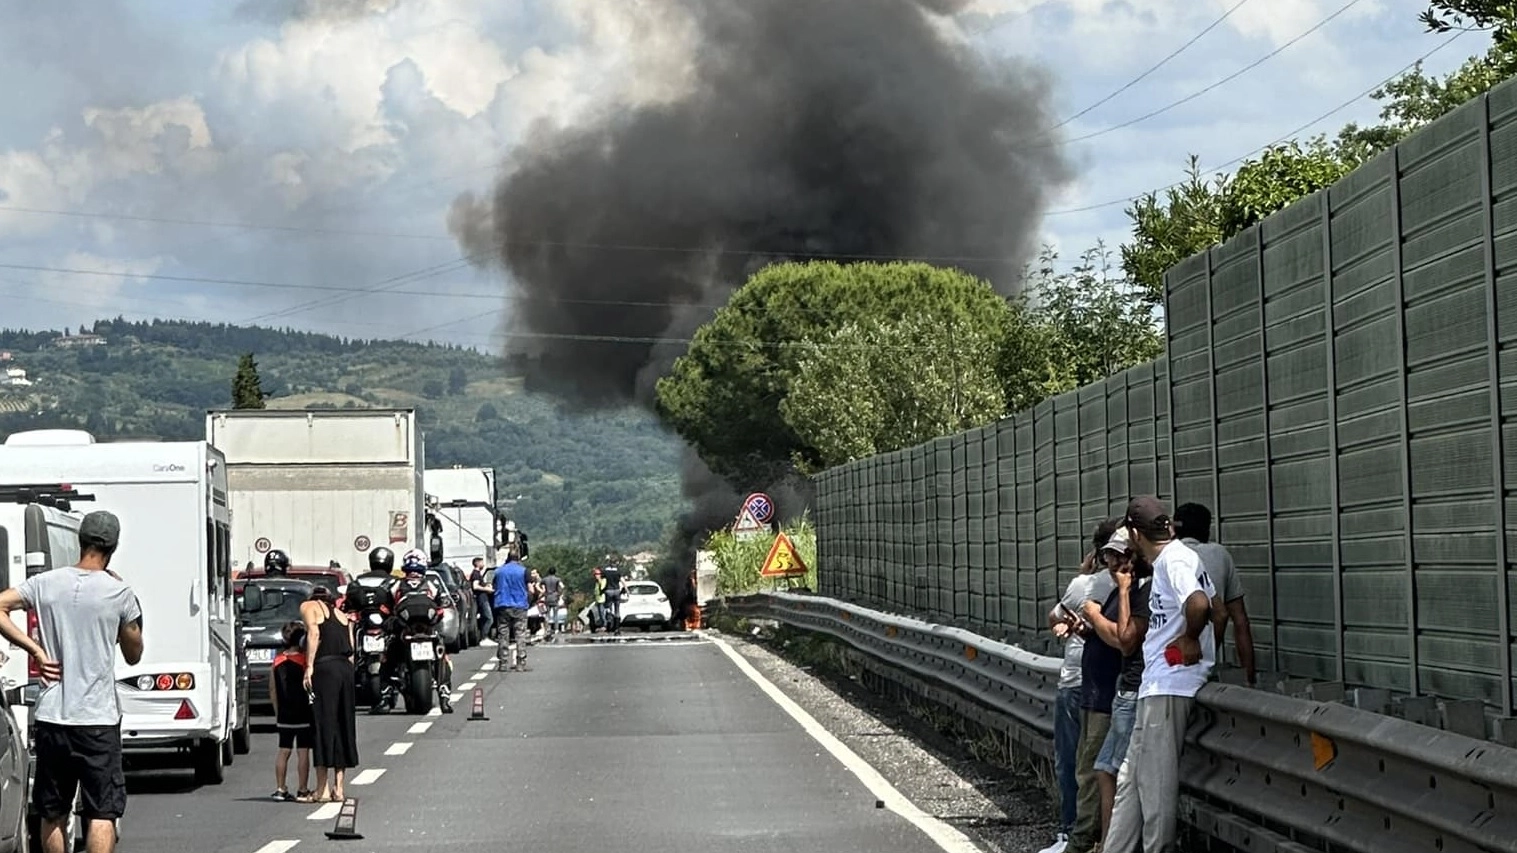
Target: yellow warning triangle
[[783, 560]]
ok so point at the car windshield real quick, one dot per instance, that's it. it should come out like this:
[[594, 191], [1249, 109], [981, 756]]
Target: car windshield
[[280, 605], [329, 581], [644, 589]]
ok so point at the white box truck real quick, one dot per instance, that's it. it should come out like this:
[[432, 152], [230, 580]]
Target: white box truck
[[463, 502], [188, 693], [321, 485]]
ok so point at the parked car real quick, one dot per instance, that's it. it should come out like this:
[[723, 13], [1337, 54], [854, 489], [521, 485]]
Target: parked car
[[335, 580], [644, 605], [451, 626], [267, 604], [468, 610]]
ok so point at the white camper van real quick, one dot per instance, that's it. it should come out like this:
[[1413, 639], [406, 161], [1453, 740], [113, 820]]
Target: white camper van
[[188, 691]]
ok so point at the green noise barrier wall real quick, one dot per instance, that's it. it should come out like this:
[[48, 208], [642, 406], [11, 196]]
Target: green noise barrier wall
[[1339, 388]]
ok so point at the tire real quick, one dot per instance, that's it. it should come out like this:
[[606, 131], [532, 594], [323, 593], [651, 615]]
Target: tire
[[420, 691], [456, 646], [228, 752], [374, 685], [210, 769]]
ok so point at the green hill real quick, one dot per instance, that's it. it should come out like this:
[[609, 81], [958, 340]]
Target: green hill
[[603, 479]]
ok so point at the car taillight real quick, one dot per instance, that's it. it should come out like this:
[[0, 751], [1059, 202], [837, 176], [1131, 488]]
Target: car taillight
[[34, 631]]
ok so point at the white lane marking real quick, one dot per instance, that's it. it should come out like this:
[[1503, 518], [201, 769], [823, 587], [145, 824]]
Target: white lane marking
[[281, 846], [326, 811], [435, 712], [418, 728], [946, 837], [398, 748], [456, 697], [367, 777], [467, 685]]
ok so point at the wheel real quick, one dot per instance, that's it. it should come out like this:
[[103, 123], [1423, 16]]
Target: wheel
[[420, 691], [228, 753], [375, 687], [241, 741], [456, 646], [210, 769]]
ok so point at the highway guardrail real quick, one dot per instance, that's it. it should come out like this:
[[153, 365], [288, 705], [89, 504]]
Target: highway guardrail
[[1262, 771]]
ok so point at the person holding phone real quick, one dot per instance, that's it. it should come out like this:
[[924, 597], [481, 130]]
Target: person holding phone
[[1076, 806]]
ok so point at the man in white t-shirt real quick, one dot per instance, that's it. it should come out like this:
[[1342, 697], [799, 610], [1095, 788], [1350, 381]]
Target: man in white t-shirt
[[1178, 656]]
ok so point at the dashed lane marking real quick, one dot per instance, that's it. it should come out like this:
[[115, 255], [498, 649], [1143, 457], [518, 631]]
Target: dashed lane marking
[[281, 846], [367, 777], [398, 748], [467, 686], [435, 712], [418, 728], [947, 838], [456, 697], [326, 811]]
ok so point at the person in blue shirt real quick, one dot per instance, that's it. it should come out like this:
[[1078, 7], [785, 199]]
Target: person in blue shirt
[[512, 581]]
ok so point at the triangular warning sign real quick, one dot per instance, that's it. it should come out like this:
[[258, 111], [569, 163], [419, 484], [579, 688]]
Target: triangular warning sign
[[783, 560], [746, 523]]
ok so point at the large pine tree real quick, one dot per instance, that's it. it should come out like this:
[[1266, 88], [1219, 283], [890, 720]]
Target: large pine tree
[[247, 389]]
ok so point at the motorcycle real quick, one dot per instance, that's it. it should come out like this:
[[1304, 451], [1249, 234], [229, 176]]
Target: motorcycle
[[417, 664], [369, 669]]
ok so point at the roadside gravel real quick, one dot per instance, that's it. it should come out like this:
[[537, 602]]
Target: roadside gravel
[[1003, 812]]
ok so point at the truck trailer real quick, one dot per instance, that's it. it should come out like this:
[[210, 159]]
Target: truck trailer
[[323, 485], [463, 502]]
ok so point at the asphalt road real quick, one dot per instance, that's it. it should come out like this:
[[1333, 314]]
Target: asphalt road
[[652, 746]]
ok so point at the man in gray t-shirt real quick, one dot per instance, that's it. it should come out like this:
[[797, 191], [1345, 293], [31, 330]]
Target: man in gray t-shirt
[[83, 613], [1193, 525]]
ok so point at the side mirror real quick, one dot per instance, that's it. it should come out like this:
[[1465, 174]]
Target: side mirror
[[252, 599]]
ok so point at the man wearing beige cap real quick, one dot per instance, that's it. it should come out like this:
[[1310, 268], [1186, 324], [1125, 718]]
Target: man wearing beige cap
[[83, 612]]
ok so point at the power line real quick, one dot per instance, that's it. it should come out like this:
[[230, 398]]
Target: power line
[[206, 223], [1229, 78], [1156, 66], [1282, 138]]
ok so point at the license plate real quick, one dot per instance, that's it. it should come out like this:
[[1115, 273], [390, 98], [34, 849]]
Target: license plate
[[260, 655], [373, 643], [423, 651]]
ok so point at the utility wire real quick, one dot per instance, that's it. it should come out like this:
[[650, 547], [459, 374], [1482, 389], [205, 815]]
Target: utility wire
[[1282, 138]]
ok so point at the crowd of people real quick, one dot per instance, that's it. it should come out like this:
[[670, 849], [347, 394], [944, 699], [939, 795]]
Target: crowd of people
[[1142, 624]]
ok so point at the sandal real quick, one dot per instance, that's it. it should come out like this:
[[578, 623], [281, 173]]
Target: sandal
[[305, 796]]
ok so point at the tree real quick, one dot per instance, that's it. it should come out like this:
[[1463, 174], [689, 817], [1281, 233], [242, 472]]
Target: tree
[[1498, 16], [1097, 324], [487, 412], [432, 389], [884, 384], [1279, 176], [1167, 232], [458, 380], [723, 396], [247, 388]]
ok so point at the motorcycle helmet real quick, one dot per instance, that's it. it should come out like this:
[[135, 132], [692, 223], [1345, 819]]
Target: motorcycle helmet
[[414, 562], [276, 562], [381, 559]]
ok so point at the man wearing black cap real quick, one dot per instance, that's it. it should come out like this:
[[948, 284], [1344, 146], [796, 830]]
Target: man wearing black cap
[[84, 612], [1178, 655]]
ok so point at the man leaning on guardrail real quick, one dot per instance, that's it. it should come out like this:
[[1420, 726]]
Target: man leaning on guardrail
[[1178, 656]]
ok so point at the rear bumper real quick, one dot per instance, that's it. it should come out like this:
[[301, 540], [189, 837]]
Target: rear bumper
[[147, 716], [644, 618]]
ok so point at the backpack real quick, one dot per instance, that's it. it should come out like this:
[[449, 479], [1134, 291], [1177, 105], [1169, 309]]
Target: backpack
[[361, 597], [414, 602]]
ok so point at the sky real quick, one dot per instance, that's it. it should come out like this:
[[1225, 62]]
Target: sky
[[292, 162]]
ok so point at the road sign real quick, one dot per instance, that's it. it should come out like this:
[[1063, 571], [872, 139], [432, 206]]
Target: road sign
[[783, 560], [761, 506], [263, 545], [746, 525], [361, 543]]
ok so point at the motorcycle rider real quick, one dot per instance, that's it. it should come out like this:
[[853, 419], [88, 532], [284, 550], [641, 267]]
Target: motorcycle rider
[[415, 583], [276, 564]]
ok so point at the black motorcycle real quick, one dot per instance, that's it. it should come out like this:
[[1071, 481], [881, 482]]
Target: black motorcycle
[[373, 633], [416, 662]]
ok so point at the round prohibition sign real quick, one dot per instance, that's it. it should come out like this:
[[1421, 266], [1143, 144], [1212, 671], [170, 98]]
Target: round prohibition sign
[[361, 543], [263, 545], [761, 507]]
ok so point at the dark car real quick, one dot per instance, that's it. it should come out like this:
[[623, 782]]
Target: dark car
[[335, 580], [468, 611], [264, 614]]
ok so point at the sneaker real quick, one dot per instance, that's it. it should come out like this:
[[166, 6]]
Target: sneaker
[[282, 796], [488, 643], [1060, 841]]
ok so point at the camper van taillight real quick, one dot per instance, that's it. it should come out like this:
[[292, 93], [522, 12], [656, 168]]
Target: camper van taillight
[[166, 681], [185, 712]]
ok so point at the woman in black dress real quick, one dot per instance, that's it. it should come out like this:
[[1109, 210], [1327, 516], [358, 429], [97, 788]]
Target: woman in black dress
[[329, 677]]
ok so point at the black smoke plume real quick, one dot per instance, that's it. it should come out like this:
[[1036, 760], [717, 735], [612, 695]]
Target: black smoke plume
[[845, 129]]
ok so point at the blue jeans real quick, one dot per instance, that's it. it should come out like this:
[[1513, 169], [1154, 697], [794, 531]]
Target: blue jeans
[[1066, 740], [1124, 713], [486, 609]]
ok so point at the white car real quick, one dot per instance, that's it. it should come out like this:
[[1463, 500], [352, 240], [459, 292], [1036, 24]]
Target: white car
[[645, 605]]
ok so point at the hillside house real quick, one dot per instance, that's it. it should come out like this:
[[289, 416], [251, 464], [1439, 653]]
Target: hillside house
[[15, 377], [76, 341]]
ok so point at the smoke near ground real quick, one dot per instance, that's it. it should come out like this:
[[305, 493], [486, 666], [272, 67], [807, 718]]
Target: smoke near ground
[[847, 129]]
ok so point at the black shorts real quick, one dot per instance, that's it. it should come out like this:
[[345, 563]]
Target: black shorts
[[301, 738], [84, 759]]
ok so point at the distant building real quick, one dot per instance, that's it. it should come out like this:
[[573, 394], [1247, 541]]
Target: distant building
[[5, 355], [72, 341], [15, 377]]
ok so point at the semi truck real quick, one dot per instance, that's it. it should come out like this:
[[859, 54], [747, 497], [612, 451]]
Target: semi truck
[[323, 485], [462, 501]]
